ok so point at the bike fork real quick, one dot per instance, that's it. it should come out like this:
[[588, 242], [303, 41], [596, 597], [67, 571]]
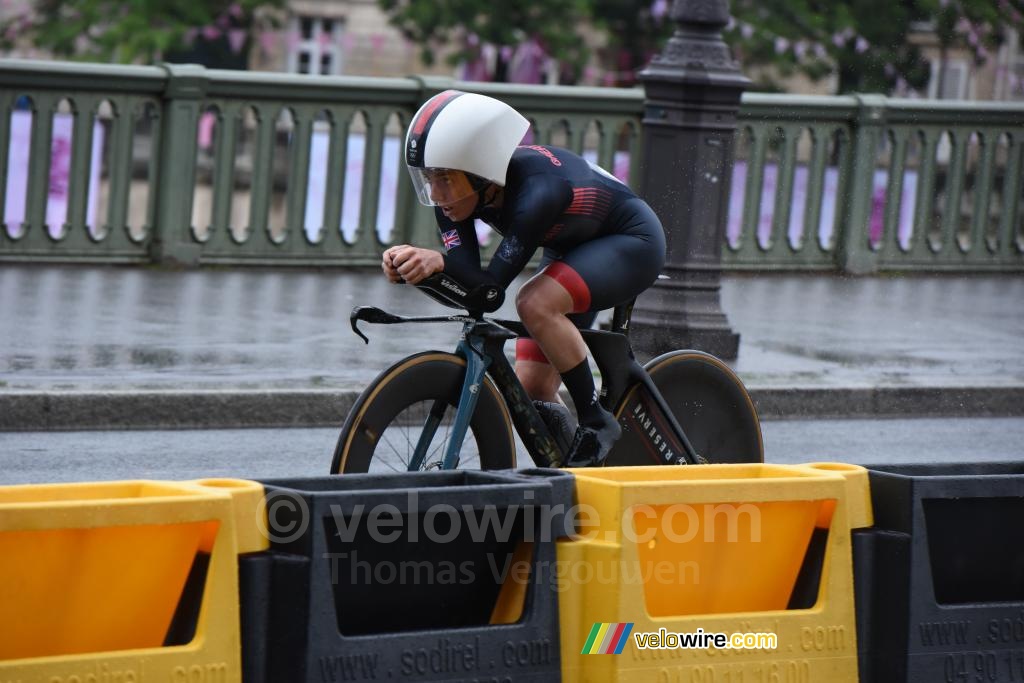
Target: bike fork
[[476, 367], [427, 434]]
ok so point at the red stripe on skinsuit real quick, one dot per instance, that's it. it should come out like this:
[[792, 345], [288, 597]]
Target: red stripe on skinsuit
[[573, 283], [528, 349]]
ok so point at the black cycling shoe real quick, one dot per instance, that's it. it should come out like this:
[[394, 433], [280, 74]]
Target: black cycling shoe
[[559, 422], [591, 445]]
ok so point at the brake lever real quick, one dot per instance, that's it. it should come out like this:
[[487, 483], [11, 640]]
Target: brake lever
[[371, 314]]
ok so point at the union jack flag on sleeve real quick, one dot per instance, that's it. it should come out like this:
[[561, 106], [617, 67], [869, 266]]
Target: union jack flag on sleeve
[[451, 239]]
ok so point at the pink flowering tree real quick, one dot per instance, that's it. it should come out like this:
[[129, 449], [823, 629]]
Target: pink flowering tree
[[865, 42], [499, 41], [140, 31]]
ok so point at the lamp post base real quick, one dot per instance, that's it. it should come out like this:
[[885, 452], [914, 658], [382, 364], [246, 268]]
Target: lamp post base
[[682, 315]]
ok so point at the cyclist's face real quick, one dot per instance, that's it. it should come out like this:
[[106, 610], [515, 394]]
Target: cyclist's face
[[452, 191], [447, 187], [461, 209]]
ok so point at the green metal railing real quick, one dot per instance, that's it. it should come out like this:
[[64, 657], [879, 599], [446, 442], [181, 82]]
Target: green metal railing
[[184, 164], [909, 184]]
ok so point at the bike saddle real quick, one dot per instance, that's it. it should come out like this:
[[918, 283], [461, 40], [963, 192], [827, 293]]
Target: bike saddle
[[446, 290]]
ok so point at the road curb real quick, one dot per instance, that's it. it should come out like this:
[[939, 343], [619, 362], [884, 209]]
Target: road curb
[[37, 411], [225, 409], [881, 402]]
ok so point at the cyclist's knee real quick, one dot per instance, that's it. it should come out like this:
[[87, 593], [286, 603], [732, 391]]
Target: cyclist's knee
[[530, 305], [536, 302]]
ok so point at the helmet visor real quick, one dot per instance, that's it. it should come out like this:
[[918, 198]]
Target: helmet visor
[[440, 186]]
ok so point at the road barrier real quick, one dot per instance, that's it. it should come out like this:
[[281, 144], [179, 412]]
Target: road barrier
[[123, 581], [729, 549], [941, 575], [787, 573], [413, 576]]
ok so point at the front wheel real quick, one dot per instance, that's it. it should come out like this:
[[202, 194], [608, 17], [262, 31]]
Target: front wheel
[[708, 400], [383, 427]]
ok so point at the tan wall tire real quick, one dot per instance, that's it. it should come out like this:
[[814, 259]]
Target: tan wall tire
[[392, 403]]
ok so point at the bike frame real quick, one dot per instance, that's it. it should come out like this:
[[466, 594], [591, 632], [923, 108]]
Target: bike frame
[[618, 378], [482, 346]]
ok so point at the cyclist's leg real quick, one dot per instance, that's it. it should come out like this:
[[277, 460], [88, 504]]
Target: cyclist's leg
[[535, 373], [538, 377], [597, 274], [606, 271], [541, 380], [532, 368], [543, 305]]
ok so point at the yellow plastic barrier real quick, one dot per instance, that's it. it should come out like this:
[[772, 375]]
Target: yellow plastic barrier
[[712, 549], [92, 574]]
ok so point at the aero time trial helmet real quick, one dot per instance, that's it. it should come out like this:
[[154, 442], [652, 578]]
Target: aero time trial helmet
[[458, 142]]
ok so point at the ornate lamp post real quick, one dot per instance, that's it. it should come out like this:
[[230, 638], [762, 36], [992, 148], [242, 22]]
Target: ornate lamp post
[[693, 91]]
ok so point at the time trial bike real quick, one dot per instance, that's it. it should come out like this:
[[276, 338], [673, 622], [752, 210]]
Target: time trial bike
[[441, 410]]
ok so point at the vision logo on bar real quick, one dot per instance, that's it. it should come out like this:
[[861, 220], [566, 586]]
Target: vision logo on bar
[[607, 639]]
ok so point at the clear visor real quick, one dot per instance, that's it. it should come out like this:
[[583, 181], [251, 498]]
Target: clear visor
[[440, 186]]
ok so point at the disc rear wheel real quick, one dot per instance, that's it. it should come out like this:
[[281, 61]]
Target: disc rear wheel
[[707, 399]]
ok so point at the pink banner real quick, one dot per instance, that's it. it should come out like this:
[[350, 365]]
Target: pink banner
[[59, 178]]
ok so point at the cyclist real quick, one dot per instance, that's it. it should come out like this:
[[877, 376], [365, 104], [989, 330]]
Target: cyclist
[[602, 244]]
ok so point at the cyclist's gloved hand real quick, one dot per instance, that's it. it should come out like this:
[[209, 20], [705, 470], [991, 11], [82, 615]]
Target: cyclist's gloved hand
[[405, 263], [446, 290], [388, 266]]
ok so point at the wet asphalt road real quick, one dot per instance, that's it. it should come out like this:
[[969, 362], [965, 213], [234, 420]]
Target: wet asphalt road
[[81, 328], [35, 457]]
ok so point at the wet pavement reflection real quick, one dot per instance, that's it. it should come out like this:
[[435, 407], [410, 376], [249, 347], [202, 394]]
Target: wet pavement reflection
[[96, 328]]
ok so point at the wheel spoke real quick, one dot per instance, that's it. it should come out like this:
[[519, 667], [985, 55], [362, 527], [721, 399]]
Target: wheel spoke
[[444, 444], [410, 447], [387, 461], [420, 397], [398, 443], [402, 425]]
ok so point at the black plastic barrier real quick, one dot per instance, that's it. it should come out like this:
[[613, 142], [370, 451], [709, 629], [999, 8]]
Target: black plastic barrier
[[410, 577], [940, 578]]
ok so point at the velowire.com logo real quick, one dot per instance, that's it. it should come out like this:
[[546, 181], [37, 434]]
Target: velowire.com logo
[[607, 639]]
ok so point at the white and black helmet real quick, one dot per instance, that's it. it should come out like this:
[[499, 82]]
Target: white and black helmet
[[459, 131]]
